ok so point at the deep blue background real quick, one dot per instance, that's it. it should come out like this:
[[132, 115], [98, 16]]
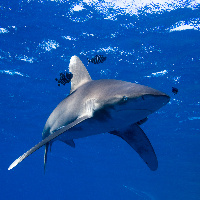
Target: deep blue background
[[142, 44]]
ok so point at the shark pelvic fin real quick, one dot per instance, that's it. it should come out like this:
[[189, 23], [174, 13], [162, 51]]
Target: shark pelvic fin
[[137, 139], [68, 142], [80, 73], [47, 140]]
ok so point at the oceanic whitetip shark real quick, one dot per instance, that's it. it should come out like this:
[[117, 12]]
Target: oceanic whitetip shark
[[100, 106]]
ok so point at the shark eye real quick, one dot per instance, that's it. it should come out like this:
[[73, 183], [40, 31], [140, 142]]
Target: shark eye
[[125, 98]]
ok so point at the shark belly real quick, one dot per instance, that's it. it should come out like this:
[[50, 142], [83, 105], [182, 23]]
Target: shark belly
[[103, 124]]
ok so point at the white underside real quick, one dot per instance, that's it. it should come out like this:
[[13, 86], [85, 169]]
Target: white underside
[[92, 126]]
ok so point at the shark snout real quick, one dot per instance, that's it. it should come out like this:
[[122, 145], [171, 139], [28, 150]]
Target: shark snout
[[155, 102]]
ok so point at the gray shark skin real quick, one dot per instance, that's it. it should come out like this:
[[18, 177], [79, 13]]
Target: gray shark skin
[[100, 106]]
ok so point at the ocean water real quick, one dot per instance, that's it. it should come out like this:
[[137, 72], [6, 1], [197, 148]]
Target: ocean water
[[153, 42]]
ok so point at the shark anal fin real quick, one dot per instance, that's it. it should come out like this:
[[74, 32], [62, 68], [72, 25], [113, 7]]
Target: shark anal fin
[[47, 140], [138, 140], [68, 142], [45, 155]]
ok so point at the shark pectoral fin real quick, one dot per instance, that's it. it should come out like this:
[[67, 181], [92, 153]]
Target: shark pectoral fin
[[46, 140], [137, 139], [68, 142]]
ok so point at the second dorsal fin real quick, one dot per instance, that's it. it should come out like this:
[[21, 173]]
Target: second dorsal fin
[[80, 73]]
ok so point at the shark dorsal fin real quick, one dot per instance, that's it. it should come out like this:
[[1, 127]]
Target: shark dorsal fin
[[80, 73]]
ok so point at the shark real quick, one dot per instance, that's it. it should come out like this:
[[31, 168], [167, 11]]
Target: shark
[[101, 106]]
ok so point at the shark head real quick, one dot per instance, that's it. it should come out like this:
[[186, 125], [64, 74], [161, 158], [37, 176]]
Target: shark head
[[123, 101]]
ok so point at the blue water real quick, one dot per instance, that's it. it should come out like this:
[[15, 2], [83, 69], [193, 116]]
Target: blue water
[[154, 43]]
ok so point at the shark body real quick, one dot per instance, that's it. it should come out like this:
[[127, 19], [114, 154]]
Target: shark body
[[99, 106]]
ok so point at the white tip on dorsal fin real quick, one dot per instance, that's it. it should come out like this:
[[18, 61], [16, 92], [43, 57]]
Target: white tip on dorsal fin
[[80, 73]]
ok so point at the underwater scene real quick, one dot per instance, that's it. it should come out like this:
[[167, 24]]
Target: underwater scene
[[108, 139]]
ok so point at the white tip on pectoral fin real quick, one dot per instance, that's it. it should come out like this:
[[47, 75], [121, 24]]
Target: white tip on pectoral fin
[[16, 162]]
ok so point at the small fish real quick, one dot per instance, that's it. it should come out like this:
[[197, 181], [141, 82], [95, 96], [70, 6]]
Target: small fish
[[174, 90], [64, 78], [97, 59]]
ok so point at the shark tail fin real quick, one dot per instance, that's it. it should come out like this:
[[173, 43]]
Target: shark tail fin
[[138, 140], [45, 155]]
